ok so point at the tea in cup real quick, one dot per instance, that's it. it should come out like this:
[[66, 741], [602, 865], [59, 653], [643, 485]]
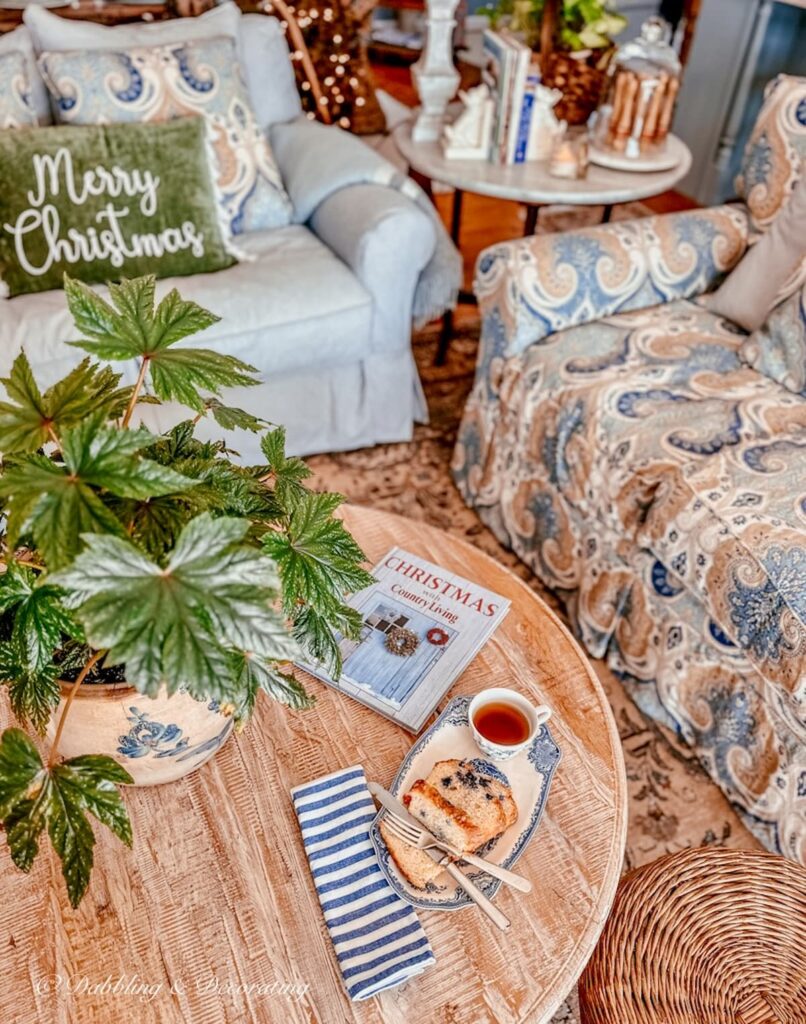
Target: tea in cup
[[504, 722]]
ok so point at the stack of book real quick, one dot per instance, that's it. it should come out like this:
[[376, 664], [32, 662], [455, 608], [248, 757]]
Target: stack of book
[[512, 74]]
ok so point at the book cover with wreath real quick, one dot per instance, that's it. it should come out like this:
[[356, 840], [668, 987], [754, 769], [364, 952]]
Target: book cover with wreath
[[421, 628]]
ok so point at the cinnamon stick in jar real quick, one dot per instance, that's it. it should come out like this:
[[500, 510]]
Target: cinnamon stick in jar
[[646, 87], [650, 128], [625, 120], [665, 119], [619, 89]]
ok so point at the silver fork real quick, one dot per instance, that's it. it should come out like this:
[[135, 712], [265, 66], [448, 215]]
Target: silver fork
[[423, 840], [447, 862]]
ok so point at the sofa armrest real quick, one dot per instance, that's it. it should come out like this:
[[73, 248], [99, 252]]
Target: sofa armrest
[[386, 241], [536, 286], [317, 159], [342, 189]]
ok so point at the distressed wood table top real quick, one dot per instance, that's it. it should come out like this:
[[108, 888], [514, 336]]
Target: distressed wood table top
[[212, 918]]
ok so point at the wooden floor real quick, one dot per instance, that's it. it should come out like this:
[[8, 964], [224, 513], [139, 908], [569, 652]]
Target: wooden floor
[[486, 221]]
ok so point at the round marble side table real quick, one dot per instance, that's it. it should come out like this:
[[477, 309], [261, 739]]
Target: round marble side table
[[531, 184]]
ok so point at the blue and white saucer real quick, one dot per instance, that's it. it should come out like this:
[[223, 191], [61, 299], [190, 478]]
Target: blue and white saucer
[[529, 774]]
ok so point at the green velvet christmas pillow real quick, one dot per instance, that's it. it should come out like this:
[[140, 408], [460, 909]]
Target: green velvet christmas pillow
[[105, 202]]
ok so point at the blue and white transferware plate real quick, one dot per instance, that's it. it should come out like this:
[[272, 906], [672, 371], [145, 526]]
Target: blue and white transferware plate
[[529, 774]]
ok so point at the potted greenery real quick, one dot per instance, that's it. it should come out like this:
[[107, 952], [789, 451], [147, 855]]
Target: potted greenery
[[152, 563]]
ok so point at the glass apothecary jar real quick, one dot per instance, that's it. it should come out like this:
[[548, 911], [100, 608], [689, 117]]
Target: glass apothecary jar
[[643, 83]]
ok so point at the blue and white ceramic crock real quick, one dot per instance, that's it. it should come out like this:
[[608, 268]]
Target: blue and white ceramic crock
[[156, 739]]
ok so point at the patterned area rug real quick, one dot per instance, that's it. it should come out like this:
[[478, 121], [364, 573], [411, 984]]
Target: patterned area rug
[[673, 804]]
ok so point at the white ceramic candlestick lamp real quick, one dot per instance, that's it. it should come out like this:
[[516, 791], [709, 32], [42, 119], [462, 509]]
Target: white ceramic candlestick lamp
[[435, 76]]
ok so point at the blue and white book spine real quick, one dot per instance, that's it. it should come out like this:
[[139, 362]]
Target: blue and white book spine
[[522, 142], [526, 126], [497, 74], [520, 57]]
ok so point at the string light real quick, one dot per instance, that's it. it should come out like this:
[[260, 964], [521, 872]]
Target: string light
[[339, 88]]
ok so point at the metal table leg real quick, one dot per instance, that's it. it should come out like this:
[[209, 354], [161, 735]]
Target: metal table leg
[[456, 215], [530, 224], [447, 320]]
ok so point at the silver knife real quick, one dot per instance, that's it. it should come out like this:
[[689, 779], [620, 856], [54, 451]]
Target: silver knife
[[444, 860]]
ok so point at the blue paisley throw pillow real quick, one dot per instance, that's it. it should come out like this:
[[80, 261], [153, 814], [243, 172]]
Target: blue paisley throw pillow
[[175, 80], [16, 107]]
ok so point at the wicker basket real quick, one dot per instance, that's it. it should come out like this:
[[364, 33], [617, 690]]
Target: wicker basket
[[707, 936], [581, 81]]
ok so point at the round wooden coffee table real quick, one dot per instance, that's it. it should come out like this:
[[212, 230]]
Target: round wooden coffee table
[[214, 909]]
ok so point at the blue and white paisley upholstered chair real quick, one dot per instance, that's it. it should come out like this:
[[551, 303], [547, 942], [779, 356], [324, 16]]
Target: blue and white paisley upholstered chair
[[618, 442]]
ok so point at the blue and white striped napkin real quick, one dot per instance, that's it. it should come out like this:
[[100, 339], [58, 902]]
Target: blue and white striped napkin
[[379, 942]]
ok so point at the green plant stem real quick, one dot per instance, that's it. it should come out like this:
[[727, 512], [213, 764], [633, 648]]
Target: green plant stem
[[141, 376], [30, 563], [82, 675]]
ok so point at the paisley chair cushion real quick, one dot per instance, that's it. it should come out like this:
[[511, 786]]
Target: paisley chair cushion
[[544, 284], [656, 483], [778, 348], [176, 80], [732, 530], [773, 156]]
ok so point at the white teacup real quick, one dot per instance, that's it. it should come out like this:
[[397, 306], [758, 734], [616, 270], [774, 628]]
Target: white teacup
[[535, 715]]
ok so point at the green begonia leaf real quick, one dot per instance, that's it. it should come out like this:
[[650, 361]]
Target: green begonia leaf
[[132, 328], [288, 473], [314, 631], [28, 417], [177, 625], [255, 674], [34, 797], [33, 691], [59, 502], [317, 557], [231, 418], [40, 618]]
